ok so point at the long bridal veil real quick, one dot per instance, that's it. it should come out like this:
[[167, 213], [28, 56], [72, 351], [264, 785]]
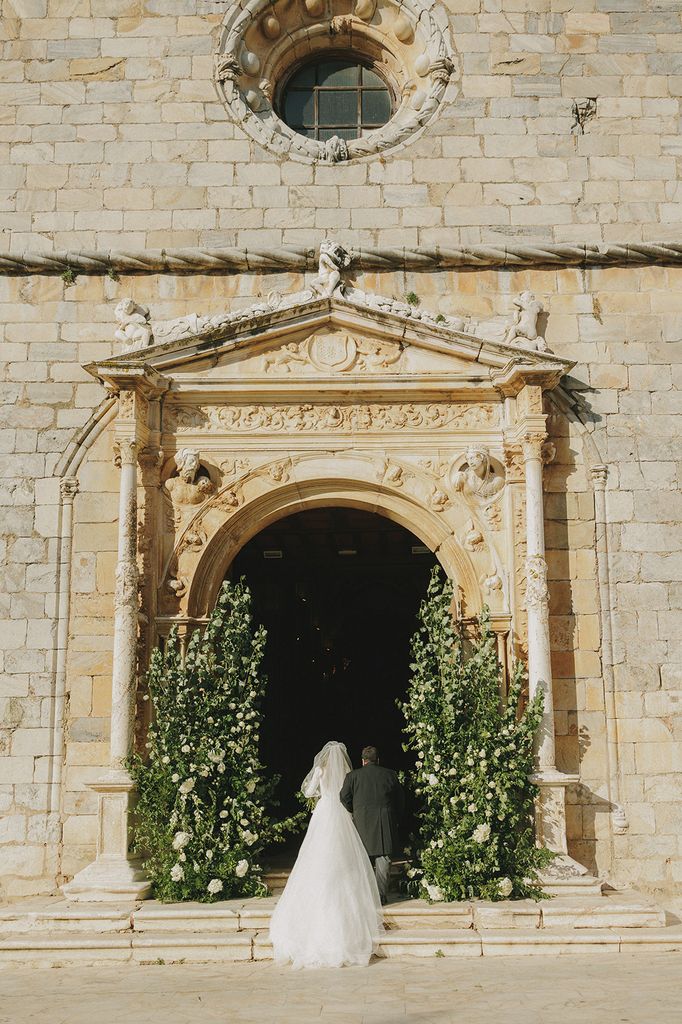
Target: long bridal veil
[[329, 914]]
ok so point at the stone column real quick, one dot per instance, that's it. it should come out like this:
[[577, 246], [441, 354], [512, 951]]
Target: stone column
[[114, 874], [565, 876], [537, 601]]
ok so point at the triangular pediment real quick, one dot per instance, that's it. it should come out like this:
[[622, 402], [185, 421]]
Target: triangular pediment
[[304, 336]]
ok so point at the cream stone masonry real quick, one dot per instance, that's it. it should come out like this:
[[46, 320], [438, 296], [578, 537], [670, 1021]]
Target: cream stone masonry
[[116, 135], [551, 167]]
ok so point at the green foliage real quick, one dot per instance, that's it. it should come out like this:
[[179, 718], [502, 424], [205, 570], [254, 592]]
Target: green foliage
[[440, 319], [68, 276], [202, 818], [412, 299], [473, 761]]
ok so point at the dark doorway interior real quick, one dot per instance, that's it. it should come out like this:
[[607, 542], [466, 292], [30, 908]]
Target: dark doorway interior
[[338, 590]]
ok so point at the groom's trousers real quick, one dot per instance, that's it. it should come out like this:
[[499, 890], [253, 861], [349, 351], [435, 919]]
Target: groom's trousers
[[382, 870]]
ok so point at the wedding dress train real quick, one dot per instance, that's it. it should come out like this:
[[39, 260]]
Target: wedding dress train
[[329, 914]]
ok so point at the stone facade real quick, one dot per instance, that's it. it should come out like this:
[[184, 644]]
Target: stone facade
[[114, 137]]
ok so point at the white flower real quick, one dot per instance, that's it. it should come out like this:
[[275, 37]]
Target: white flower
[[435, 892], [175, 777], [250, 786], [249, 838], [177, 872], [489, 795], [481, 833], [215, 885], [440, 844], [185, 748], [505, 887], [223, 814], [210, 722], [209, 855], [433, 780], [411, 872], [187, 786], [166, 759], [241, 868], [471, 808], [180, 840]]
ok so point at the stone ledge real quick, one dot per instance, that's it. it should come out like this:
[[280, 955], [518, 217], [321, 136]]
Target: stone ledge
[[87, 949], [192, 947], [188, 917]]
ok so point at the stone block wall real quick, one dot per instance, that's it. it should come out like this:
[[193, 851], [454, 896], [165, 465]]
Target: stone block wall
[[112, 136]]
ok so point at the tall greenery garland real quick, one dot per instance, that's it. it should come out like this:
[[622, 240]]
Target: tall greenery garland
[[473, 761], [202, 818]]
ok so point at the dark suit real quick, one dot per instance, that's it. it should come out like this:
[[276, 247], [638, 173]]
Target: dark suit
[[374, 797]]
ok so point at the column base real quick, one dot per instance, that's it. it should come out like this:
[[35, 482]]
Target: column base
[[565, 876], [109, 879], [114, 875]]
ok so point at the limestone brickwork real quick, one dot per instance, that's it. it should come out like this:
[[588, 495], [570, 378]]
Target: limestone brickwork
[[113, 136]]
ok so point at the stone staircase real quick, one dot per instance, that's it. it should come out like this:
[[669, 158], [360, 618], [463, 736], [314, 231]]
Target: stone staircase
[[54, 932]]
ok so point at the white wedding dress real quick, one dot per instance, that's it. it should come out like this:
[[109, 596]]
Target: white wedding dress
[[329, 914]]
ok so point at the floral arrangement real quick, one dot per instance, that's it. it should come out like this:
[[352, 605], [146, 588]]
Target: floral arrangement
[[473, 763], [202, 818]]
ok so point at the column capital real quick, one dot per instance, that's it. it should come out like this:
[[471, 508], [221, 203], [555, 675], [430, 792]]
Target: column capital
[[532, 445], [599, 476], [68, 486], [125, 451]]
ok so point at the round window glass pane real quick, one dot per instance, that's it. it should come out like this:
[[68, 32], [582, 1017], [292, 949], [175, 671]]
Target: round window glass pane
[[335, 96]]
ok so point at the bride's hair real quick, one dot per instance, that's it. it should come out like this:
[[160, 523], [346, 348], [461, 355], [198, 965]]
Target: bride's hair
[[370, 754]]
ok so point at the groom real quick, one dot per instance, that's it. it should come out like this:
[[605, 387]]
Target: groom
[[374, 797]]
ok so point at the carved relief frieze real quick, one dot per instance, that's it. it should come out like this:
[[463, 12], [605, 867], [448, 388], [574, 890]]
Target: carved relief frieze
[[391, 473], [537, 591], [323, 418], [473, 538], [491, 583], [331, 352], [520, 551]]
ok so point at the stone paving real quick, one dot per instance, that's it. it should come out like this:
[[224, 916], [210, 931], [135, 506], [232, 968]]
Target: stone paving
[[605, 990]]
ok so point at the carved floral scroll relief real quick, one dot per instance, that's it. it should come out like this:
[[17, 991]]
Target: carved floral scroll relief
[[323, 417]]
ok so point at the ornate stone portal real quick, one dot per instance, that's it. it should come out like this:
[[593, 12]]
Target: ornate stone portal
[[325, 397]]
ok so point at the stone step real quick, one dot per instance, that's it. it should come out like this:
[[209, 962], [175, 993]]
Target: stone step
[[616, 910], [63, 949], [67, 917]]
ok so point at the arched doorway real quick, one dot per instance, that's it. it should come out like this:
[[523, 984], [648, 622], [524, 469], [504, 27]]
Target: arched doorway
[[338, 590]]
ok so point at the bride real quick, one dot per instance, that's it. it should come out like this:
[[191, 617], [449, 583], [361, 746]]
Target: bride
[[329, 914]]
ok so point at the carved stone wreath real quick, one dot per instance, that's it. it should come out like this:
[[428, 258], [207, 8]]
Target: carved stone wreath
[[263, 39]]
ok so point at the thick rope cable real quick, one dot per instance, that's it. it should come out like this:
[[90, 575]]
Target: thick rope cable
[[294, 259]]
